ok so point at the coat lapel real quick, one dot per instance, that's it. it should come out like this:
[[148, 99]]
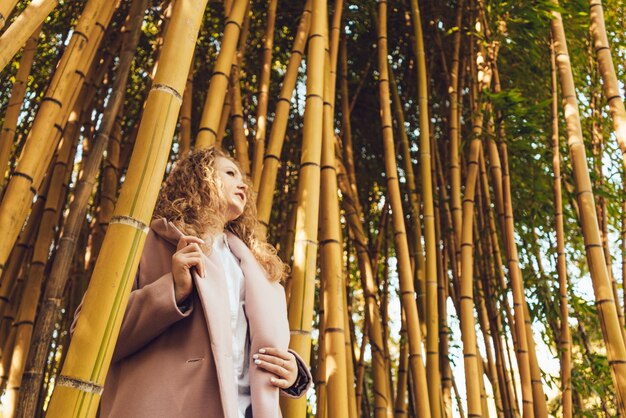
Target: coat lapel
[[266, 310], [213, 294]]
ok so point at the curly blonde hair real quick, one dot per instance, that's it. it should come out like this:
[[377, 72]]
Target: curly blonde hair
[[191, 198]]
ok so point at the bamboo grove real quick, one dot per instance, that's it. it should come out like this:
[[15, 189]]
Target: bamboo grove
[[445, 179]]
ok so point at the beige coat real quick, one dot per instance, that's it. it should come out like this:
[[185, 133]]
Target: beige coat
[[172, 364]]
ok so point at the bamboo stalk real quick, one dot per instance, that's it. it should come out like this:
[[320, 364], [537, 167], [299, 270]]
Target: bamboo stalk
[[418, 372], [300, 309], [6, 7], [607, 311], [432, 321], [53, 112], [52, 215], [23, 27], [218, 84], [56, 283], [184, 121], [271, 159], [372, 328], [263, 99], [607, 70], [331, 270], [78, 388], [18, 91]]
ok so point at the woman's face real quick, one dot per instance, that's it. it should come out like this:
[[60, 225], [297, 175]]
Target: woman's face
[[233, 187]]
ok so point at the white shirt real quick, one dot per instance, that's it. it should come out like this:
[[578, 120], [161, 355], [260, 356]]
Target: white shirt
[[238, 322]]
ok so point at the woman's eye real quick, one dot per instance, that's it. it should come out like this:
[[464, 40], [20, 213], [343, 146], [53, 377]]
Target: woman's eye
[[231, 173]]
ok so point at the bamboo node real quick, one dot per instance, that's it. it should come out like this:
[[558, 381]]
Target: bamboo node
[[82, 385], [127, 220]]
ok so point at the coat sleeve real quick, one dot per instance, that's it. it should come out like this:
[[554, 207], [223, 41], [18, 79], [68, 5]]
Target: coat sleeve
[[303, 381], [150, 311]]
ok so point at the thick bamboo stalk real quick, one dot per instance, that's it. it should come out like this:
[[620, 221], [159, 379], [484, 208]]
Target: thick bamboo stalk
[[94, 338], [218, 84], [432, 321], [23, 27], [611, 330], [300, 309], [18, 91], [53, 112], [468, 333], [56, 283], [24, 322], [607, 70], [6, 7], [418, 371], [263, 99], [279, 125], [331, 269]]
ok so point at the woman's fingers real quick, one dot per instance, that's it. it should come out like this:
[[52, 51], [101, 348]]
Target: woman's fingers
[[280, 383], [188, 260], [279, 362], [272, 367], [185, 240], [283, 354]]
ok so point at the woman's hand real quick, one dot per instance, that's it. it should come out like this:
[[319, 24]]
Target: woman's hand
[[188, 254], [281, 363]]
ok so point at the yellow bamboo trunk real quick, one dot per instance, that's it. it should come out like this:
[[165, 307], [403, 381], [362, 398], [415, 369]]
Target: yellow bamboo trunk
[[218, 84], [18, 91], [305, 244], [53, 112], [184, 135], [417, 254], [224, 118], [32, 290], [261, 114], [468, 332], [236, 118], [418, 371], [611, 330], [400, 410], [23, 28], [6, 7], [352, 408], [455, 164], [279, 125], [79, 385], [432, 321], [372, 329], [565, 340], [59, 272], [607, 70], [346, 127], [332, 266]]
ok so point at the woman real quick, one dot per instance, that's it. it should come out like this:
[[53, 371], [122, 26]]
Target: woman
[[205, 333]]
